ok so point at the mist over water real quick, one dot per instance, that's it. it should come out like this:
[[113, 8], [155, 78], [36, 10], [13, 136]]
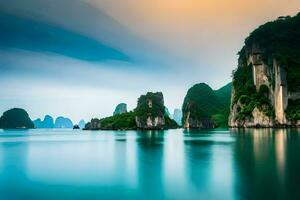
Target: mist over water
[[174, 164]]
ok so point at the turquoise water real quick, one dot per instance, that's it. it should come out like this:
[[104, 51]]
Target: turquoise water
[[174, 164]]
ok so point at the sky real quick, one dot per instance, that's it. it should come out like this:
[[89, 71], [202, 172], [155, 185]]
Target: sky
[[80, 58]]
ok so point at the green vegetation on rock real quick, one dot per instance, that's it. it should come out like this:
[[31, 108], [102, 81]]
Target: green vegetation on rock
[[122, 121], [170, 123], [203, 103], [246, 95], [150, 107], [16, 118], [224, 95], [280, 39]]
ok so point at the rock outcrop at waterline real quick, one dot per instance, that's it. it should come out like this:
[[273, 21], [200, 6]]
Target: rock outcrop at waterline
[[149, 114], [266, 84]]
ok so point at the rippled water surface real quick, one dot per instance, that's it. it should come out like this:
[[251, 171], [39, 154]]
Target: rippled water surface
[[174, 164]]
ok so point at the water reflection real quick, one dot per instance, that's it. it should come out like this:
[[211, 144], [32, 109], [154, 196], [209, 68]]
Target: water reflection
[[174, 164], [262, 157], [210, 163], [280, 145], [175, 183], [73, 162], [150, 164], [198, 154], [131, 161], [13, 173]]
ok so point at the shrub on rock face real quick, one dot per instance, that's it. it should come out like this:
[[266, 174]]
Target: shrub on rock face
[[16, 118]]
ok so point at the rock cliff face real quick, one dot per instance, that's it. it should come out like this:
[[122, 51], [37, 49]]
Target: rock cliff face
[[120, 109], [262, 96], [150, 111]]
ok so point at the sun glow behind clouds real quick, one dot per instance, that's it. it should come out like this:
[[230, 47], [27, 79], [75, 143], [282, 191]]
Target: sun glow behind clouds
[[191, 32]]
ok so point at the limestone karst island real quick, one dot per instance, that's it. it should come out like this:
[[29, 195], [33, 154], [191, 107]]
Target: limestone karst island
[[149, 99]]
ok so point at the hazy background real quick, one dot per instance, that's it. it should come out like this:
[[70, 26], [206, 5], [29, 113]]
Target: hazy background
[[80, 58]]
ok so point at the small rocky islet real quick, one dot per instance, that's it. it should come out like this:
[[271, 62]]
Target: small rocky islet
[[149, 114], [16, 118]]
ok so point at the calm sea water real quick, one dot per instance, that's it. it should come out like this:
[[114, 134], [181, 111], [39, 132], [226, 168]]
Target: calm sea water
[[174, 164]]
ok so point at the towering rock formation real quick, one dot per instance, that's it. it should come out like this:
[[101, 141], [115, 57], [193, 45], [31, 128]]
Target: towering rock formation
[[205, 108], [120, 109], [266, 90], [150, 111]]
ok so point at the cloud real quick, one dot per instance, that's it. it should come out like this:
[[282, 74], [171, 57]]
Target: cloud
[[80, 17], [31, 35]]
